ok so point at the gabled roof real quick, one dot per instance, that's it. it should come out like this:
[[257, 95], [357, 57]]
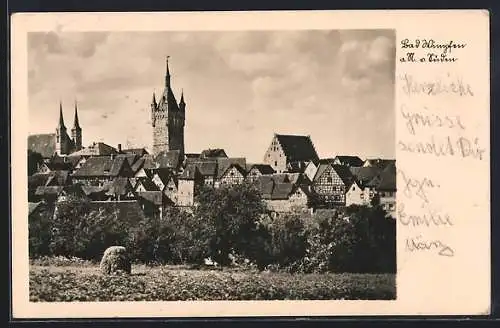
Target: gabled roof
[[37, 180], [168, 159], [138, 164], [282, 191], [58, 178], [207, 168], [44, 144], [164, 174], [387, 178], [148, 184], [354, 161], [262, 168], [211, 153], [342, 171], [297, 147], [101, 166], [120, 186], [223, 164], [32, 207], [149, 162], [131, 158], [364, 175]]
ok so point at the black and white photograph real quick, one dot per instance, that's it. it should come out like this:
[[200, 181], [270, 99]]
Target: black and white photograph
[[211, 165]]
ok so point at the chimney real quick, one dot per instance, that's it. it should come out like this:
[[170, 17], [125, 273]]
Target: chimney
[[119, 148]]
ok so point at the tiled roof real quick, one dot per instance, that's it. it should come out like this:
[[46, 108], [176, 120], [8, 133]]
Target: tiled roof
[[120, 186], [58, 178], [223, 164], [363, 175], [155, 197], [192, 155], [138, 165], [379, 162], [32, 207], [297, 148], [282, 191], [101, 166], [350, 160], [387, 179], [207, 168], [93, 190], [37, 180], [126, 211], [49, 190], [148, 184], [190, 172], [262, 168], [44, 144], [342, 171], [149, 162], [210, 153]]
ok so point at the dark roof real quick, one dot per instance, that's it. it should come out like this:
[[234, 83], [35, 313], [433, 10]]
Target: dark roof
[[350, 160], [223, 164], [282, 191], [44, 144], [155, 197], [342, 171], [379, 162], [149, 162], [148, 184], [101, 166], [363, 175], [210, 153], [190, 172], [125, 211], [58, 178], [131, 158], [387, 178], [119, 186], [297, 148], [62, 162], [262, 168], [326, 161], [49, 190], [207, 168], [135, 151], [37, 180], [32, 207], [93, 190], [192, 155], [138, 165], [168, 159]]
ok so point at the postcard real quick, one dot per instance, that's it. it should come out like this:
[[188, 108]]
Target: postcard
[[206, 164]]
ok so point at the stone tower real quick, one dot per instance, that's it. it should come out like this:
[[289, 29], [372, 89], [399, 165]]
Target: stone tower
[[63, 143], [168, 119], [76, 131]]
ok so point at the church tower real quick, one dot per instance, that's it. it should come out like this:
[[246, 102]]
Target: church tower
[[168, 119], [61, 134], [76, 131]]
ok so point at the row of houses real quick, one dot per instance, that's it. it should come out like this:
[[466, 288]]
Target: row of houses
[[291, 176]]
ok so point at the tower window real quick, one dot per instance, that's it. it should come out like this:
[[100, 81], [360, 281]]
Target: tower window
[[275, 163]]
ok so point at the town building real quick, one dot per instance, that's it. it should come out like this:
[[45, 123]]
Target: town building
[[290, 153]]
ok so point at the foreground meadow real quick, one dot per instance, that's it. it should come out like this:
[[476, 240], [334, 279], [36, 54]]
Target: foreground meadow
[[174, 283]]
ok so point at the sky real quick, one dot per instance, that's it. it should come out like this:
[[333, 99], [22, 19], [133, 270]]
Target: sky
[[240, 87]]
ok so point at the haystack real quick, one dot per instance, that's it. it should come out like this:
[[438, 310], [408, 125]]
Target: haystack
[[115, 260]]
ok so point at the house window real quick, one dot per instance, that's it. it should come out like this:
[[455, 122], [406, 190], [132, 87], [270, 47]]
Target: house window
[[329, 180]]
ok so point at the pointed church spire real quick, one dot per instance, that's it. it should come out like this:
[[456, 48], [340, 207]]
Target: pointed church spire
[[154, 98], [182, 97], [167, 77], [76, 123], [61, 119]]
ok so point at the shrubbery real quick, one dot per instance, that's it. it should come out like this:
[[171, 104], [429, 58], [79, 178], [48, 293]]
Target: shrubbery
[[229, 224]]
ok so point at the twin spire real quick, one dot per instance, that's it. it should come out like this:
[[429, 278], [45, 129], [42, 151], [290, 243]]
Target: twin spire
[[76, 124]]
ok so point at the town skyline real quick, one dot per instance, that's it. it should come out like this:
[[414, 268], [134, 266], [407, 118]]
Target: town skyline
[[302, 83]]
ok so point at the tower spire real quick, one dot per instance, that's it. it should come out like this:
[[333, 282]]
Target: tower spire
[[182, 96], [154, 98], [76, 123], [167, 77], [61, 119]]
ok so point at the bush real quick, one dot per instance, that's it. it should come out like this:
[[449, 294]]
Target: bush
[[115, 260]]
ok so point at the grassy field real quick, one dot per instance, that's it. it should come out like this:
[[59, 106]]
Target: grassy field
[[169, 283]]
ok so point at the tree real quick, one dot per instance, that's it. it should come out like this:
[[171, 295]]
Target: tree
[[229, 218]]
